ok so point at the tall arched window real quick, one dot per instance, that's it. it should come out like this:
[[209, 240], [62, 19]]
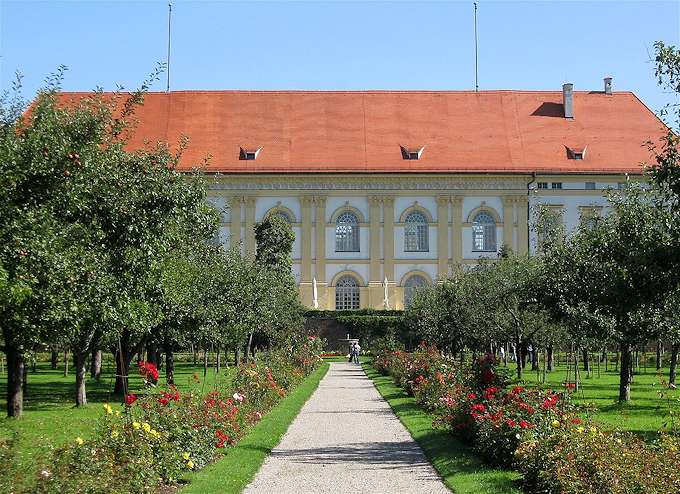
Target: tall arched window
[[347, 294], [416, 233], [484, 233], [411, 286], [347, 233]]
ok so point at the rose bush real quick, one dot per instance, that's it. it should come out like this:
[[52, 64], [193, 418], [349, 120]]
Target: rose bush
[[585, 459], [537, 431], [158, 435]]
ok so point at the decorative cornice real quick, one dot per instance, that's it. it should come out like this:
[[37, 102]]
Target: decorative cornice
[[365, 183]]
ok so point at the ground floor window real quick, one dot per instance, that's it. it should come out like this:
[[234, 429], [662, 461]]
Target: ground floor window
[[411, 286], [347, 294]]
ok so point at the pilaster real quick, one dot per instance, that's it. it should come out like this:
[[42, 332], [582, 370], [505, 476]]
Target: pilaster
[[235, 226], [508, 222], [442, 236], [388, 237], [320, 253], [374, 239], [522, 224], [306, 238], [250, 224], [456, 229]]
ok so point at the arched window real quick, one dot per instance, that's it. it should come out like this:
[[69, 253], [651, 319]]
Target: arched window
[[411, 286], [347, 233], [347, 294], [416, 233], [484, 233]]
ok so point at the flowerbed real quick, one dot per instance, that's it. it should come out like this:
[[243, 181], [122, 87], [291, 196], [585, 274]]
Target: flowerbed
[[157, 436], [538, 432]]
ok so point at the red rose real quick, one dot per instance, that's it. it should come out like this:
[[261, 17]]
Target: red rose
[[511, 422], [163, 401], [472, 396], [130, 399], [524, 424]]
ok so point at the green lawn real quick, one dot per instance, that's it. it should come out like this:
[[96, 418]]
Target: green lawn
[[462, 471], [240, 463], [50, 419], [645, 414]]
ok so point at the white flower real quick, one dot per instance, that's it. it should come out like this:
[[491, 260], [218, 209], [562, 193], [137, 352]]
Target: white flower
[[44, 474], [238, 397]]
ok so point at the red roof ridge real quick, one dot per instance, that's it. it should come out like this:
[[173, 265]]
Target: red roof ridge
[[360, 91]]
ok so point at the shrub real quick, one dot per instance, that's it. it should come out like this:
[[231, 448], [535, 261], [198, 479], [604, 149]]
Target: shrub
[[519, 415], [162, 433], [584, 459]]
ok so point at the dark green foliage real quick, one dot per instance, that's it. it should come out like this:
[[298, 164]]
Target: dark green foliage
[[369, 325]]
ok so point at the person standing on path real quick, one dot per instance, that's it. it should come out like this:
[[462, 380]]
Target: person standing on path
[[355, 352]]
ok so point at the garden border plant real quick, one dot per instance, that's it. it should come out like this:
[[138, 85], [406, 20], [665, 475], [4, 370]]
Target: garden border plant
[[538, 432], [239, 465], [460, 469], [161, 435]]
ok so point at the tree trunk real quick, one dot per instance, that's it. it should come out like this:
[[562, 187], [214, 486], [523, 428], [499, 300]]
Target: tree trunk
[[658, 354], [618, 360], [550, 358], [169, 363], [15, 378], [518, 347], [205, 362], [534, 359], [586, 360], [250, 342], [577, 384], [151, 353], [217, 360], [625, 372], [605, 355], [65, 363], [122, 372], [674, 363], [54, 358], [96, 364], [237, 357], [80, 367], [195, 354]]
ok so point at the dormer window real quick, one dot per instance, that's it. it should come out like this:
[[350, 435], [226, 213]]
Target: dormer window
[[576, 153], [411, 153], [248, 154]]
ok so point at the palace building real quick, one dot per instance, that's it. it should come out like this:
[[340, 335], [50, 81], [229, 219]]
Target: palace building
[[387, 190]]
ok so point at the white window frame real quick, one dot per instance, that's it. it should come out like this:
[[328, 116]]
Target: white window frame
[[416, 233], [484, 233]]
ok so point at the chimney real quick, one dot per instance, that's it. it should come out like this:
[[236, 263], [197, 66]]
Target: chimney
[[608, 85], [568, 100]]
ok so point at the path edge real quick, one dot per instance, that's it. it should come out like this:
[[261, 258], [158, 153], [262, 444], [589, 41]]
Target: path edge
[[237, 468], [461, 471]]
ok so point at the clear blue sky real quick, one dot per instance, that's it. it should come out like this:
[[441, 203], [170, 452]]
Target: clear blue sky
[[340, 45]]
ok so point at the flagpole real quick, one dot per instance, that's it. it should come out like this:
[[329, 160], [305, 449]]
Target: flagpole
[[167, 88], [476, 57]]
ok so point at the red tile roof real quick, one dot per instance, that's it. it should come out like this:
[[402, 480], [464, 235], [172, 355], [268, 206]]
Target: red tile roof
[[362, 131]]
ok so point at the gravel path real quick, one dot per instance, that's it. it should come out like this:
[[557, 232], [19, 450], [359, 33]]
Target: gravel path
[[346, 439]]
